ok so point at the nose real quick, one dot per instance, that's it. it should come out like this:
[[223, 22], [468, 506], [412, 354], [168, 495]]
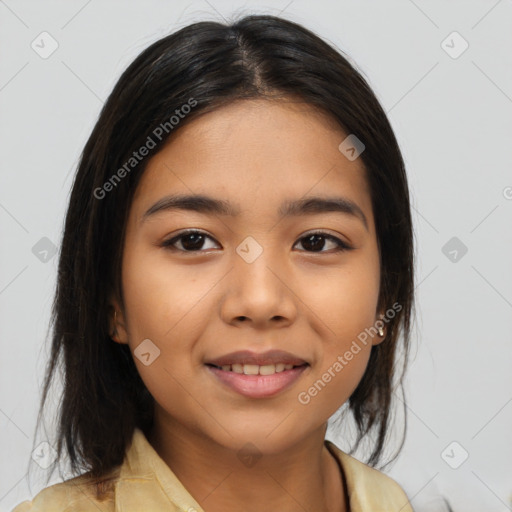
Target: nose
[[259, 293]]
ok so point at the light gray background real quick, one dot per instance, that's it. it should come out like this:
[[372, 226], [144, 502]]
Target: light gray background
[[453, 120]]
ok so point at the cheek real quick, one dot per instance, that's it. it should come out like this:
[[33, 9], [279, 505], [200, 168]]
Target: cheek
[[163, 317], [344, 299], [163, 301], [345, 303], [335, 377]]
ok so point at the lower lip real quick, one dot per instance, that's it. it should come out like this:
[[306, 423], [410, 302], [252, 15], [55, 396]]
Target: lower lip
[[258, 386]]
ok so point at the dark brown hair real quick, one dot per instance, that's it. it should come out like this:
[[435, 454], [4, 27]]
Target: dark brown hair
[[214, 64]]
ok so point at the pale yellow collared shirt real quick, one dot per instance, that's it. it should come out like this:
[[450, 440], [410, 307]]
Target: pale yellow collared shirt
[[145, 483]]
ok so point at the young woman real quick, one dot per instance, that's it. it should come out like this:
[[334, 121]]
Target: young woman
[[236, 264]]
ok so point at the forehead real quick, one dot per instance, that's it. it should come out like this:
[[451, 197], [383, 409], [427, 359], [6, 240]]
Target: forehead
[[256, 152]]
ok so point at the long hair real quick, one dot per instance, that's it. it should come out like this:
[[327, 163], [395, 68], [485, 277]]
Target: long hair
[[208, 65]]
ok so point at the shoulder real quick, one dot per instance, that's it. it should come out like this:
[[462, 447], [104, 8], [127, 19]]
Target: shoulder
[[80, 493], [369, 487]]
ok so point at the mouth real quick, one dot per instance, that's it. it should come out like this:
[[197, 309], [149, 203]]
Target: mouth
[[256, 375], [254, 369], [276, 360]]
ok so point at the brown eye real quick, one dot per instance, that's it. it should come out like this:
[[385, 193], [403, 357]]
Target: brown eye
[[194, 240], [315, 242], [190, 241]]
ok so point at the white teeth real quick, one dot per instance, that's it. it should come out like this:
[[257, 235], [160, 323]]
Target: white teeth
[[238, 368], [254, 369], [268, 369], [251, 369]]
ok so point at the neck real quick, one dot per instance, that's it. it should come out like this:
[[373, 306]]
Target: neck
[[303, 477]]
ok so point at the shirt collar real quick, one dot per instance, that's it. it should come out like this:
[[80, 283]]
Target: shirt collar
[[158, 488]]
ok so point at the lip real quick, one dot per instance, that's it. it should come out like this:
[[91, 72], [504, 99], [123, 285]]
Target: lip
[[258, 386], [265, 358]]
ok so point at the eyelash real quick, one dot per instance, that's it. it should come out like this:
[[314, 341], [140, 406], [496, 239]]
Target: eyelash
[[342, 246]]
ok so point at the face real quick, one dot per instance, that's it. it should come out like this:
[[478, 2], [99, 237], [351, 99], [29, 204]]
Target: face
[[201, 283]]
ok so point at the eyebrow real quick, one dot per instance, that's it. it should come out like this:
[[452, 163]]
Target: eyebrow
[[299, 207]]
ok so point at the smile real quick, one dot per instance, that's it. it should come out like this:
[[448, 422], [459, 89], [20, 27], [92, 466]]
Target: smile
[[254, 369], [256, 381]]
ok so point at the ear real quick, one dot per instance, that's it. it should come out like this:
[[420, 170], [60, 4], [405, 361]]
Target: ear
[[380, 323], [117, 325]]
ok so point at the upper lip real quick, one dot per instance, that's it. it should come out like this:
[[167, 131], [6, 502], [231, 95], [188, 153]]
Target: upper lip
[[265, 358]]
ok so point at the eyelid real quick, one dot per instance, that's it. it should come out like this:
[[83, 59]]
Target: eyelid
[[168, 243], [342, 244]]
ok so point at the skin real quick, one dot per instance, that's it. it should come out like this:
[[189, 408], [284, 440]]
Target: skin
[[204, 303]]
